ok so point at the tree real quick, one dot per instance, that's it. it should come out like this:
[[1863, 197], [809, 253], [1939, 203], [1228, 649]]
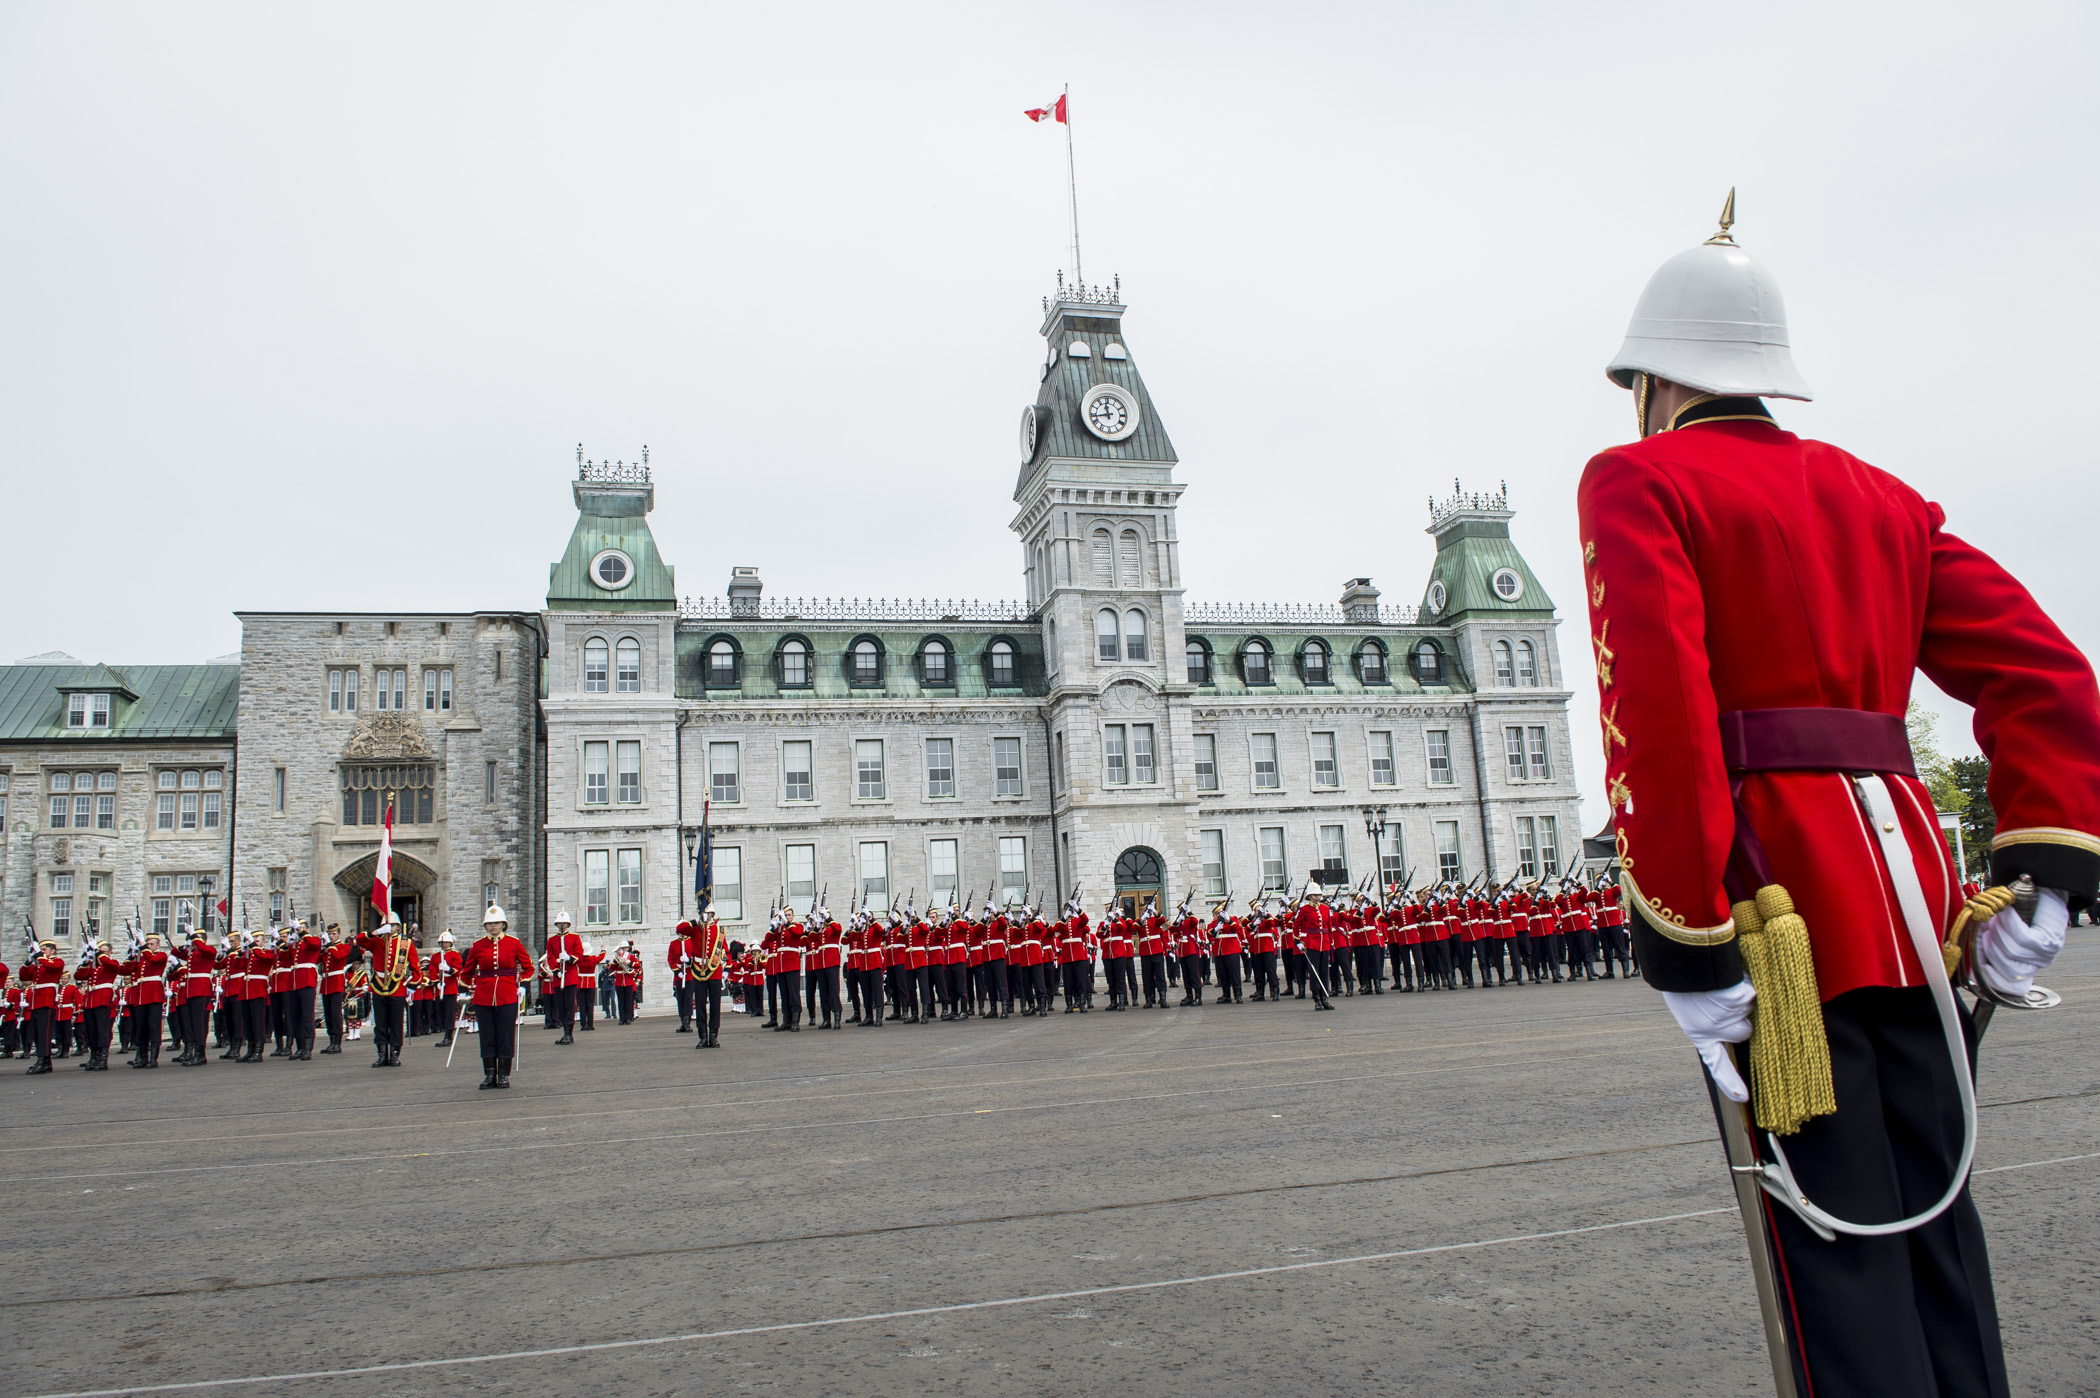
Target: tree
[[1933, 767], [1978, 821]]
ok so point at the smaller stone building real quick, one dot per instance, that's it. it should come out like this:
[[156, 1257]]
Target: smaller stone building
[[434, 715], [117, 790]]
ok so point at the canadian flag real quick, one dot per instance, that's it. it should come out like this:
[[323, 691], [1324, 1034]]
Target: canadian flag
[[383, 872], [1054, 110]]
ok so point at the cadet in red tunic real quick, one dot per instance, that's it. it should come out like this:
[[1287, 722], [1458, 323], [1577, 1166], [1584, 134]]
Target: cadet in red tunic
[[97, 976], [146, 970], [41, 975], [394, 967], [1758, 605], [494, 967], [563, 958]]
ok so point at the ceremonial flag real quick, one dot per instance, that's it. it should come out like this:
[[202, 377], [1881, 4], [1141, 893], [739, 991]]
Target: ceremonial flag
[[383, 872], [1055, 111], [704, 864]]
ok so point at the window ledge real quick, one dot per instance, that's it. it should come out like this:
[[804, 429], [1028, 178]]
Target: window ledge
[[1022, 797]]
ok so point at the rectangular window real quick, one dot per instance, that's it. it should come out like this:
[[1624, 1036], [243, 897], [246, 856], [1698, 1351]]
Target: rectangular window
[[189, 810], [349, 691], [1266, 777], [724, 773], [1013, 868], [597, 887], [1064, 776], [105, 812], [798, 771], [98, 711], [1392, 858], [335, 691], [1206, 762], [488, 783], [1448, 866], [445, 691], [163, 818], [597, 769], [277, 790], [1541, 768], [868, 781], [802, 877], [1006, 766], [729, 884], [83, 812], [381, 692], [1142, 766], [630, 871], [1118, 760], [1513, 746], [1527, 848], [1549, 847], [1214, 864], [77, 711], [1333, 849], [430, 691], [163, 884], [106, 781], [1275, 874], [1326, 770], [1382, 757], [1439, 740], [630, 789], [60, 805], [277, 908], [163, 915], [946, 866], [211, 810], [627, 668], [940, 767], [875, 875], [62, 912], [98, 902]]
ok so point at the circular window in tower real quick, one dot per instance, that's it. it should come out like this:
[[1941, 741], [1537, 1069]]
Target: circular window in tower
[[612, 570], [1436, 598], [1507, 584]]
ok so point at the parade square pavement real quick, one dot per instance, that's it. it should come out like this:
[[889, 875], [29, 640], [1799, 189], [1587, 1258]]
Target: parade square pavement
[[1509, 1191]]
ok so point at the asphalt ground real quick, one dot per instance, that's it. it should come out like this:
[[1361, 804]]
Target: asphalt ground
[[1511, 1191]]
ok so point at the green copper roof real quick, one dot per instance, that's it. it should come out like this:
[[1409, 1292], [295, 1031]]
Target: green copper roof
[[1469, 552], [174, 702], [1059, 431], [1344, 651], [759, 642], [612, 515]]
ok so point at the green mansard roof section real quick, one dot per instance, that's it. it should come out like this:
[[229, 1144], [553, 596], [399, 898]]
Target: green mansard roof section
[[1469, 553], [172, 702], [1060, 433], [612, 516], [1287, 644], [759, 641]]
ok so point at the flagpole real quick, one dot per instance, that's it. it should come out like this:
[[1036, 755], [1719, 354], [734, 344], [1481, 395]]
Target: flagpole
[[1072, 186]]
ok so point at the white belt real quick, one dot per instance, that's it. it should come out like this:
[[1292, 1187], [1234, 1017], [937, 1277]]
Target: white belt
[[1778, 1178]]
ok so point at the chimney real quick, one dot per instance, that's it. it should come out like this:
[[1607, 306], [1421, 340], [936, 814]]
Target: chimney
[[744, 590], [1359, 602]]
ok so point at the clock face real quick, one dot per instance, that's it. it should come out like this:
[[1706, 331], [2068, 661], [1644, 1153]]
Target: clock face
[[1109, 413], [1028, 433]]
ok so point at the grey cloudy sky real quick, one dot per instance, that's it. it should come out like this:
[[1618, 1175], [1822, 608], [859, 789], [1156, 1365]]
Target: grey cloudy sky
[[307, 307]]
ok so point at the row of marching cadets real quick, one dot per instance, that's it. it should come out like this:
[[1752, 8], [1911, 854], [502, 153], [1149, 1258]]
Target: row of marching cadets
[[950, 964], [573, 975]]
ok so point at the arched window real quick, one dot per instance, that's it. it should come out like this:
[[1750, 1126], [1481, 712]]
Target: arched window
[[1107, 646], [1002, 663], [1371, 663], [1505, 668], [1199, 663], [1104, 557], [1429, 663], [721, 665], [595, 655], [1254, 663], [1132, 559], [1134, 635], [1315, 663], [794, 665], [627, 675], [1527, 664], [1042, 576], [867, 662], [933, 664]]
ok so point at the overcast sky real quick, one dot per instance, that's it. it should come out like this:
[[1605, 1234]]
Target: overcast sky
[[307, 307]]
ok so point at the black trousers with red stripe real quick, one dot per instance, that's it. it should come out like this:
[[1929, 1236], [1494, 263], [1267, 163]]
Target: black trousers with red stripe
[[1910, 1314]]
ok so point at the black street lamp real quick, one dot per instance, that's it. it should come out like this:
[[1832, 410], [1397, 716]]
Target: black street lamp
[[1374, 826]]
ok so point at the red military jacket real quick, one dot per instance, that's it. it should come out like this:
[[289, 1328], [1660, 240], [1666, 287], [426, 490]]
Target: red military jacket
[[68, 1001], [281, 966], [335, 966], [1261, 937], [443, 969], [197, 976], [586, 968], [492, 966], [99, 979], [255, 972], [1227, 934], [40, 978], [146, 969], [995, 935], [306, 961], [1732, 566], [566, 974], [385, 949], [831, 948]]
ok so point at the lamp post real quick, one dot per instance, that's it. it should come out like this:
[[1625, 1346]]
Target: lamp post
[[692, 846], [1374, 826]]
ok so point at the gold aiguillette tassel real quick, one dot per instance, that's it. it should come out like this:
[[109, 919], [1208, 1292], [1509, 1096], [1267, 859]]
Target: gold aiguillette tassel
[[1789, 1054]]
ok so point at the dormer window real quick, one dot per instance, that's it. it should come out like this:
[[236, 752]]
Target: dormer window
[[88, 711]]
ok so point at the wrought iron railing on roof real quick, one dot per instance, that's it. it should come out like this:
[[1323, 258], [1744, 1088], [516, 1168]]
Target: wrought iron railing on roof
[[1079, 293], [612, 472], [852, 609], [1467, 502], [1284, 614]]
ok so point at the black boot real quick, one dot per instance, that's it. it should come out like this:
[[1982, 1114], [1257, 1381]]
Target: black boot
[[42, 1065], [488, 1072], [335, 1045], [503, 1072]]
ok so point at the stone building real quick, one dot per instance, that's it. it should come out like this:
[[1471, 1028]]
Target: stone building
[[434, 715], [117, 791], [1101, 734]]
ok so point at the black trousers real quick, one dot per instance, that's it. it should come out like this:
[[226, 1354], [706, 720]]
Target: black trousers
[[1122, 979], [280, 1014], [388, 1012], [1155, 977], [790, 997], [706, 1004], [146, 1020], [625, 997], [586, 1005], [255, 1020], [565, 1007], [824, 992], [499, 1030], [98, 1022], [993, 984], [299, 1004], [1229, 983], [1368, 973], [195, 1011], [1265, 975], [683, 993], [1553, 949], [1192, 977], [41, 1020], [1913, 1313], [1076, 983], [332, 1012]]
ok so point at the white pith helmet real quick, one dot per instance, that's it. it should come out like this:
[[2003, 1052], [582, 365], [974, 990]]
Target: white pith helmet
[[561, 919], [393, 919], [494, 914], [1711, 318], [446, 935]]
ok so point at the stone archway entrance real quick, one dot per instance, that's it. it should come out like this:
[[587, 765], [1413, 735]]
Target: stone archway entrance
[[412, 879], [1140, 878]]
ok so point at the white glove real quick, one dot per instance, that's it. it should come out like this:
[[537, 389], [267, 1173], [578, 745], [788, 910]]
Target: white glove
[[2012, 952], [1711, 1018]]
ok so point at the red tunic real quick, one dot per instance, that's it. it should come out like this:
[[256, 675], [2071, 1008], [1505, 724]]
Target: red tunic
[[1733, 566], [493, 966]]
